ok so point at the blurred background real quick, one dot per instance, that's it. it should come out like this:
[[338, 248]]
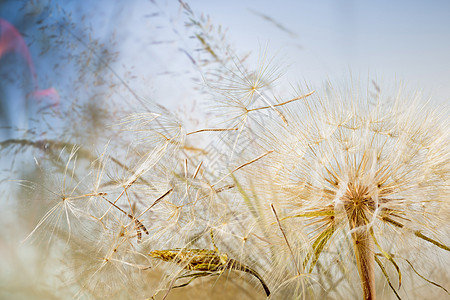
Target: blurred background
[[62, 50], [71, 69]]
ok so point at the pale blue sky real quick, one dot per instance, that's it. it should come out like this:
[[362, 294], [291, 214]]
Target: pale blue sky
[[406, 40], [402, 41]]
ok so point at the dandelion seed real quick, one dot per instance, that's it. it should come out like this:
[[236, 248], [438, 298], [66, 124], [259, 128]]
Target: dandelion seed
[[105, 262], [67, 200]]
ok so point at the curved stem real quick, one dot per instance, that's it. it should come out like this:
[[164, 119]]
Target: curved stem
[[235, 265]]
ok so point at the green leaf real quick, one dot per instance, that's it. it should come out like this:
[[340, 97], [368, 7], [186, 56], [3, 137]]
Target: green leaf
[[390, 258], [246, 198], [417, 233], [386, 276], [318, 246]]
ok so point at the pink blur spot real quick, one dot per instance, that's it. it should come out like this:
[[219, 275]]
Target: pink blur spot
[[11, 41], [50, 94]]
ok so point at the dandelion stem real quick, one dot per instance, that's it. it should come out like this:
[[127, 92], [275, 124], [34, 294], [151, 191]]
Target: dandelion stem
[[285, 238], [243, 165], [284, 103], [272, 106], [363, 246], [212, 129]]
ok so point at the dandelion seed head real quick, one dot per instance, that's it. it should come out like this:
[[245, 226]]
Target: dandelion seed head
[[356, 164], [377, 147]]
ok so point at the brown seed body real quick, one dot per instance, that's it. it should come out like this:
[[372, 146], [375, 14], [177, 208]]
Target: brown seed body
[[206, 261]]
